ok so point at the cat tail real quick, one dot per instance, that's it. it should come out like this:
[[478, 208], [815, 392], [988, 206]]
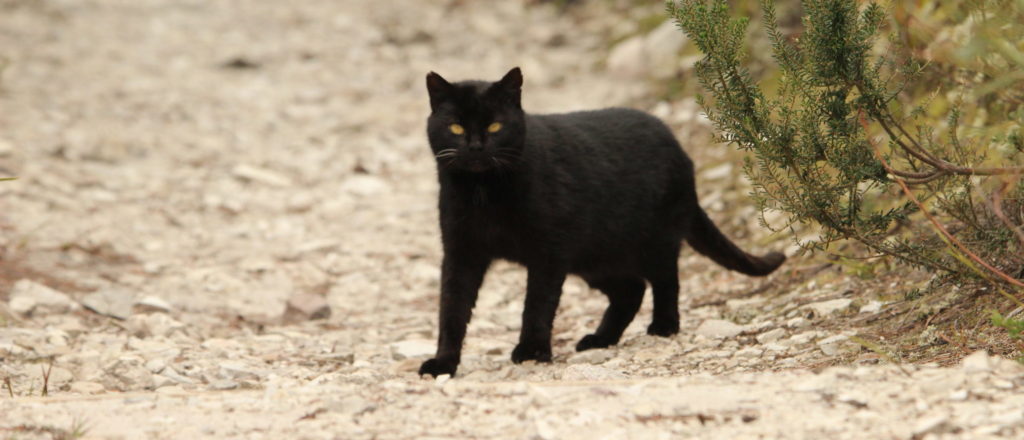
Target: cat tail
[[709, 241]]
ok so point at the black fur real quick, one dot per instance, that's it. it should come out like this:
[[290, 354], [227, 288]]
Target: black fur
[[607, 195]]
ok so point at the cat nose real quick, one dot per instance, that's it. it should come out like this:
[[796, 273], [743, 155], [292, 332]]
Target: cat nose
[[475, 147]]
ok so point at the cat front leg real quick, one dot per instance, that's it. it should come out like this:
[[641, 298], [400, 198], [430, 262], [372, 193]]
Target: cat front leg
[[543, 291], [461, 276]]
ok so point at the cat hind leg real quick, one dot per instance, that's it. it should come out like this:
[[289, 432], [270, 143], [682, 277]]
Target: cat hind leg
[[664, 278], [624, 298]]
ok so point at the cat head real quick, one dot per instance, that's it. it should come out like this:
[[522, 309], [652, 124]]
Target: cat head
[[476, 126]]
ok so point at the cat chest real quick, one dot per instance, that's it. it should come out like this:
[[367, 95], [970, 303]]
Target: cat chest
[[497, 232]]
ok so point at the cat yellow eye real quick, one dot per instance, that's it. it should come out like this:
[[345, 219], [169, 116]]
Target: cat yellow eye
[[457, 129], [494, 127]]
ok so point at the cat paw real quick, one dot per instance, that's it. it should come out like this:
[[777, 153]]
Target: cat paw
[[593, 341], [436, 367], [531, 352], [663, 328]]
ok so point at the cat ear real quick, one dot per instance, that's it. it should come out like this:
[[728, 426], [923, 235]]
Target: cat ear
[[438, 88], [513, 80], [510, 86]]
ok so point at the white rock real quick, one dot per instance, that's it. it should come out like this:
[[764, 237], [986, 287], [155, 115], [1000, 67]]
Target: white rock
[[1009, 418], [306, 306], [127, 373], [151, 303], [59, 377], [161, 381], [661, 48], [113, 302], [152, 267], [170, 373], [1003, 384], [771, 336], [853, 398], [871, 307], [832, 345], [152, 324], [156, 366], [412, 349], [750, 352], [653, 55], [260, 175], [223, 385], [5, 148], [688, 62], [30, 298], [825, 308], [977, 362], [719, 329], [627, 59], [301, 202], [662, 110], [930, 424], [720, 172], [594, 356], [797, 322], [802, 338], [56, 336], [238, 370], [365, 185], [590, 372], [221, 346], [70, 324], [426, 272]]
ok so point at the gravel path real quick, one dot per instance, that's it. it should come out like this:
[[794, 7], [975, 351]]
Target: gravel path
[[200, 179]]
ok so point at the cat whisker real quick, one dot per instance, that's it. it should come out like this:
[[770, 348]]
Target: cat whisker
[[506, 160], [446, 153]]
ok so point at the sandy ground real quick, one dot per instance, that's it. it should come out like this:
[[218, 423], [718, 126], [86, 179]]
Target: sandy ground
[[187, 168]]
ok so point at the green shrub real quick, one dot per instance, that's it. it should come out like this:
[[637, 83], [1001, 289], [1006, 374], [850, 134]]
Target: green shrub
[[1012, 326], [916, 158]]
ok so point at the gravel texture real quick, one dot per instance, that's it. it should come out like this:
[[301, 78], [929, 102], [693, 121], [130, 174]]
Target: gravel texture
[[229, 213]]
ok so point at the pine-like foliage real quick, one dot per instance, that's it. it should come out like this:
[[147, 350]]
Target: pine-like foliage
[[842, 135]]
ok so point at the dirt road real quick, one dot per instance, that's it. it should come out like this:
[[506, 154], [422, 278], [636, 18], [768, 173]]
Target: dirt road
[[188, 168]]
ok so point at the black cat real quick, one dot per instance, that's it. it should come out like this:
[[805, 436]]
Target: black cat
[[607, 195]]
